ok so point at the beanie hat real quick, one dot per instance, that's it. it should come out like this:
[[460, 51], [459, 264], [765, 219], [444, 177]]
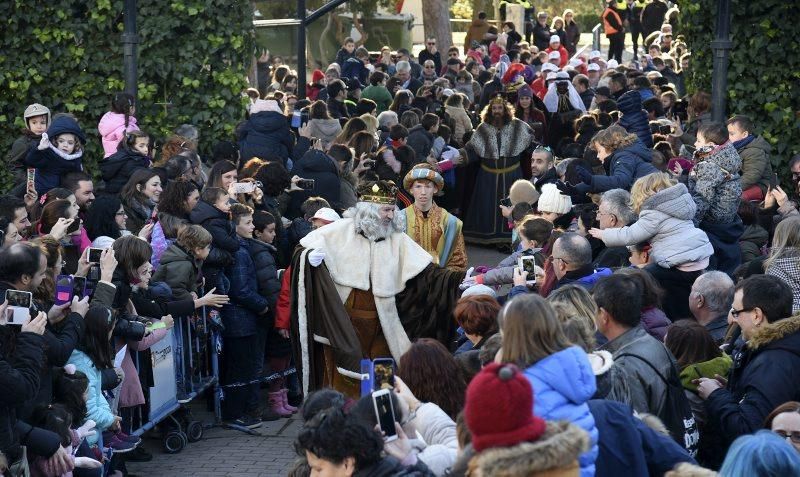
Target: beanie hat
[[34, 110], [523, 191], [499, 408], [479, 290], [555, 39], [525, 92], [317, 76], [553, 201]]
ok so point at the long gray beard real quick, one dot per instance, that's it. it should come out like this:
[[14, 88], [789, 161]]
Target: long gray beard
[[368, 222]]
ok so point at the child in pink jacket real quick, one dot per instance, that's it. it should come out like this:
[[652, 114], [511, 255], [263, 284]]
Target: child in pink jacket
[[117, 122]]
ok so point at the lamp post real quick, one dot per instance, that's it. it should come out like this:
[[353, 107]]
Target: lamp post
[[305, 21], [721, 47], [129, 41]]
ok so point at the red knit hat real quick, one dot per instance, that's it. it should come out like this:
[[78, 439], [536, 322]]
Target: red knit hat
[[317, 76], [499, 408]]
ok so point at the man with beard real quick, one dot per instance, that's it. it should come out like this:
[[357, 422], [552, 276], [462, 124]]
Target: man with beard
[[82, 186], [433, 228], [498, 144], [564, 105], [363, 289], [543, 169]]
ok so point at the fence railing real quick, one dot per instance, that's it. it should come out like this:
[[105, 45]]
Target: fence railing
[[596, 36]]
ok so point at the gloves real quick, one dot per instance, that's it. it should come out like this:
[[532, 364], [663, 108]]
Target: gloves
[[584, 175], [87, 429], [566, 188], [315, 257], [44, 143]]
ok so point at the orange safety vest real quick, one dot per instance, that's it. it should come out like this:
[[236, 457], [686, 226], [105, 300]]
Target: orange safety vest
[[606, 25]]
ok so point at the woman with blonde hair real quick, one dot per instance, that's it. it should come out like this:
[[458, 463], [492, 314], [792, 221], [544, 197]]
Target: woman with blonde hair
[[573, 32], [557, 28], [628, 157], [680, 251], [559, 372], [783, 257]]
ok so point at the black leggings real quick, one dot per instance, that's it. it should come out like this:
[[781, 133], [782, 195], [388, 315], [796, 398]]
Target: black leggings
[[616, 45]]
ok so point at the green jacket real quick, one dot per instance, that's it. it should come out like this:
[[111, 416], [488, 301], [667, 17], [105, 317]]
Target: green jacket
[[756, 169], [706, 369], [179, 270], [379, 94]]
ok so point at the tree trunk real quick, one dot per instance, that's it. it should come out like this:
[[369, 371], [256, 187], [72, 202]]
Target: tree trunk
[[436, 21]]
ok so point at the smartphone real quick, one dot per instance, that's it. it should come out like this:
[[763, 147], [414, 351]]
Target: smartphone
[[383, 373], [306, 184], [79, 287], [31, 177], [506, 202], [95, 254], [528, 265], [19, 303], [92, 276], [384, 411], [774, 181], [244, 187], [296, 119], [665, 129], [64, 289]]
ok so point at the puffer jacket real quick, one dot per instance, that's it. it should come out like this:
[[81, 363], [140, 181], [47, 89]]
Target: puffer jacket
[[753, 240], [354, 68], [715, 185], [655, 322], [421, 141], [52, 163], [112, 129], [562, 384], [118, 168], [178, 269], [438, 447], [325, 130], [263, 255], [756, 168], [788, 270], [634, 118], [627, 165], [97, 408], [318, 166], [266, 134], [666, 222], [503, 274], [241, 315]]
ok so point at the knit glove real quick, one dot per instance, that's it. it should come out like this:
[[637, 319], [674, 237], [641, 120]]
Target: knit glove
[[584, 175], [566, 188], [87, 429], [44, 143], [315, 257]]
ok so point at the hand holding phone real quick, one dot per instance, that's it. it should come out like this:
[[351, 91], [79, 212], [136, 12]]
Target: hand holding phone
[[383, 373], [95, 254], [19, 304], [306, 184], [384, 412], [64, 289]]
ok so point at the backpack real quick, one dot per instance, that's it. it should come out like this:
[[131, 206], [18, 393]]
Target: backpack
[[677, 413]]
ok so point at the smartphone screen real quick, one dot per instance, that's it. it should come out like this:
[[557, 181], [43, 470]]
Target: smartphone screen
[[17, 298], [774, 181], [95, 254], [528, 265], [383, 371], [506, 202], [78, 287], [64, 289], [385, 413]]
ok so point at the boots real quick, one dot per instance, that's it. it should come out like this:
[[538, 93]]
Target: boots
[[276, 404], [286, 405]]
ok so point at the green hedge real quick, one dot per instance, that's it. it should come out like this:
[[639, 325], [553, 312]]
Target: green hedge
[[67, 55], [764, 70]]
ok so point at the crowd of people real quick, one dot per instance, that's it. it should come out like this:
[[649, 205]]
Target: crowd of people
[[642, 323]]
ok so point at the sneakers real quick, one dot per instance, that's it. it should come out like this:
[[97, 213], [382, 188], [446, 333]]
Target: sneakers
[[247, 421], [118, 445], [128, 438], [138, 455]]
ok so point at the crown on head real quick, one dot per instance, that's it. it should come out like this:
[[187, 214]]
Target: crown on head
[[379, 192]]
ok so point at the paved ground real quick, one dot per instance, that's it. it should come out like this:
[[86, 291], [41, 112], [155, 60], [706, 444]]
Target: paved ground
[[224, 452]]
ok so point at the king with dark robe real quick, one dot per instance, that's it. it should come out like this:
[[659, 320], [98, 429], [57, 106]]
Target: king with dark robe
[[498, 144], [362, 288]]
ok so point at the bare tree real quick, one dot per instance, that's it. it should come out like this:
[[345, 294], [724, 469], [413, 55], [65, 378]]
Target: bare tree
[[436, 21]]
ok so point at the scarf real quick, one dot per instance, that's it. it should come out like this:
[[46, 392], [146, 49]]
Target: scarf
[[743, 142]]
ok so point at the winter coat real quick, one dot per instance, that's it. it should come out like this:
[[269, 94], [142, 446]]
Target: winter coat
[[788, 270], [390, 467], [561, 51], [131, 394], [585, 277], [426, 55], [52, 163], [628, 447], [461, 121], [117, 168], [138, 214], [653, 17], [112, 129], [263, 255], [573, 36], [241, 315], [753, 240], [218, 224], [666, 222], [381, 96], [15, 158], [763, 376], [756, 168], [503, 274], [421, 141], [554, 454], [541, 36], [715, 185], [476, 31], [338, 110], [438, 447], [325, 130], [179, 269], [342, 56], [634, 118], [655, 322], [320, 167], [648, 392], [97, 408], [266, 134], [627, 165], [562, 384], [354, 68]]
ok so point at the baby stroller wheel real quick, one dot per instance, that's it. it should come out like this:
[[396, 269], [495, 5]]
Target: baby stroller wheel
[[194, 431], [173, 442]]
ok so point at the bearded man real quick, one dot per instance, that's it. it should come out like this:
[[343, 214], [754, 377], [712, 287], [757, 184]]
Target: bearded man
[[363, 289], [498, 144], [433, 228]]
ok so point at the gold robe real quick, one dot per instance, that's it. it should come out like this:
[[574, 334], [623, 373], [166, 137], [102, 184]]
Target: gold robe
[[430, 230]]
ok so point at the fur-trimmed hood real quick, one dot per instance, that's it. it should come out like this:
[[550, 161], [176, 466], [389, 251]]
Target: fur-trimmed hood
[[555, 453], [674, 201], [772, 332]]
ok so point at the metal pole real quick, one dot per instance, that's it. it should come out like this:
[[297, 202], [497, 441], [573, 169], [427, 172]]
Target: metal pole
[[129, 41], [301, 50], [721, 47]]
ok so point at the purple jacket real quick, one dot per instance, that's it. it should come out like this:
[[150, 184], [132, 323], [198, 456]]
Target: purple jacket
[[655, 322]]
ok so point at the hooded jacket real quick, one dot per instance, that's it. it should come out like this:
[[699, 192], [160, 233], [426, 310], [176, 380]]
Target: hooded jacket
[[266, 134], [788, 270], [263, 255], [218, 225], [634, 118], [241, 316], [325, 130], [118, 168], [756, 168], [354, 68], [627, 165], [753, 239], [52, 163], [655, 322], [97, 408], [763, 376], [178, 269], [318, 166], [112, 129], [421, 141], [715, 185], [562, 384], [378, 93], [666, 222]]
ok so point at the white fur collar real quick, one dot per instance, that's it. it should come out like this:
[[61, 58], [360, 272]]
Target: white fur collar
[[64, 155], [601, 361]]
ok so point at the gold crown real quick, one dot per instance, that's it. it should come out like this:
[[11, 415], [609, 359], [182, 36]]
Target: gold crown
[[498, 100], [380, 192]]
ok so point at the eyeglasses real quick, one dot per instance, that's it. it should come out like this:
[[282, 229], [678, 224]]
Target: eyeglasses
[[794, 435], [554, 258], [735, 313], [605, 213]]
